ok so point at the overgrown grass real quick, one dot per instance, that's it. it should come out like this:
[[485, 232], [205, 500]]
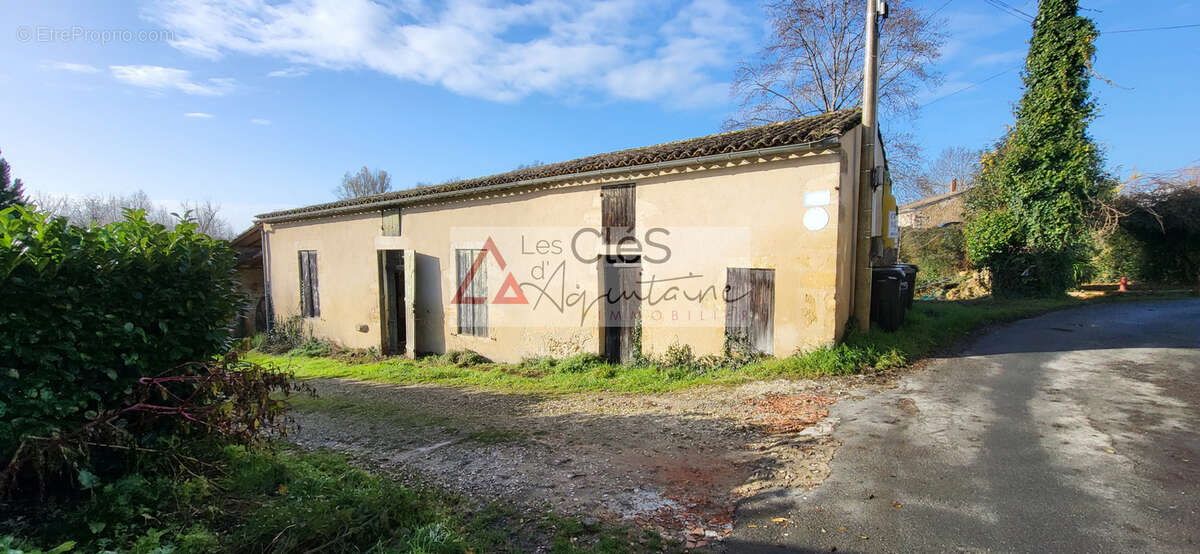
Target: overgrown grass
[[267, 500], [929, 326]]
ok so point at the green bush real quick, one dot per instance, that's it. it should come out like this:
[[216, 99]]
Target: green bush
[[679, 355], [313, 348], [284, 336], [940, 252], [88, 312], [1158, 239], [462, 358], [579, 363]]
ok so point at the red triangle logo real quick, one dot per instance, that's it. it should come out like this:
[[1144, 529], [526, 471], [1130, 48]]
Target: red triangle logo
[[510, 292]]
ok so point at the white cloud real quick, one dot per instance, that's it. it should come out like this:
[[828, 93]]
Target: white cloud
[[72, 67], [168, 78], [200, 115], [293, 71], [623, 48], [258, 121]]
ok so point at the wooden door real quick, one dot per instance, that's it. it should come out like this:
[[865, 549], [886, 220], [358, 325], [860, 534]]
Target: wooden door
[[621, 290], [750, 311]]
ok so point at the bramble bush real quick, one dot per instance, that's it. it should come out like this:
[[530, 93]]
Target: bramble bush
[[1158, 238]]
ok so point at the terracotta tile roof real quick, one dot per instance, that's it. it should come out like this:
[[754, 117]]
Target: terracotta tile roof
[[917, 204], [792, 132]]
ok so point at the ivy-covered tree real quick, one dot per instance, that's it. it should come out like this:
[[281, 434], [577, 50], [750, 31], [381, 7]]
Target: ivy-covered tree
[[1029, 222], [11, 192]]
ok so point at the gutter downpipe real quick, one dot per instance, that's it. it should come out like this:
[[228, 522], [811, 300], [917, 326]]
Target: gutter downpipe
[[867, 138], [829, 142]]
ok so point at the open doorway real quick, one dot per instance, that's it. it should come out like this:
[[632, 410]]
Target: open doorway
[[392, 314]]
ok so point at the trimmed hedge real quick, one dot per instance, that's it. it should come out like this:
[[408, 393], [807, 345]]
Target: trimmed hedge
[[86, 313]]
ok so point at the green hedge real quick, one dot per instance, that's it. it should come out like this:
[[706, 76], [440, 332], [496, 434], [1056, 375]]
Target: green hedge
[[85, 313]]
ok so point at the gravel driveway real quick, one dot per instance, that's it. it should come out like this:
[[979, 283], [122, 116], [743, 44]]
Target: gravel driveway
[[675, 462]]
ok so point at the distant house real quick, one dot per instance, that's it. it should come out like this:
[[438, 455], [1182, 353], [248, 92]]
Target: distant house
[[745, 238], [934, 211]]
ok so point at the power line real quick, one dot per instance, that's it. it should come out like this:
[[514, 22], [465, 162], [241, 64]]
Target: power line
[[1013, 8], [1008, 9], [1167, 28], [940, 8], [968, 87]]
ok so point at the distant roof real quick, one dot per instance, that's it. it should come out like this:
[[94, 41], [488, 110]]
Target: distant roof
[[786, 133], [931, 200], [249, 237]]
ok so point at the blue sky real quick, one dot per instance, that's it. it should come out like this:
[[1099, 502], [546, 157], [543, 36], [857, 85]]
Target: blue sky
[[264, 105]]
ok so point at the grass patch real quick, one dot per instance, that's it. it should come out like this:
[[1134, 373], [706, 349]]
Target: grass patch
[[930, 326], [279, 500]]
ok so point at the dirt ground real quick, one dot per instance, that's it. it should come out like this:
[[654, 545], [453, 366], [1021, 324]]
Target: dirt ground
[[674, 462]]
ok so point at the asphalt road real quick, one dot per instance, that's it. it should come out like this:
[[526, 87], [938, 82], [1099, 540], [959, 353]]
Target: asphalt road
[[1070, 432]]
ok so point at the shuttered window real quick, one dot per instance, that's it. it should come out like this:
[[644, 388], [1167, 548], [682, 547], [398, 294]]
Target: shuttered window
[[617, 212], [391, 222], [310, 298], [472, 307]]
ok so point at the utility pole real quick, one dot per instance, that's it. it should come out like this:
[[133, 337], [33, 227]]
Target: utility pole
[[866, 179]]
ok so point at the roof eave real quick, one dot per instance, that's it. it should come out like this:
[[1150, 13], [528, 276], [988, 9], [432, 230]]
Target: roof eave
[[831, 141]]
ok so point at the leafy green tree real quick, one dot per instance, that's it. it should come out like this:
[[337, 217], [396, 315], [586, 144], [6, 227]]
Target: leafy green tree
[[11, 192], [1030, 218]]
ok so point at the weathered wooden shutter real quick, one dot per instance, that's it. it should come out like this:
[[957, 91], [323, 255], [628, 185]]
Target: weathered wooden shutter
[[310, 298], [621, 290], [391, 222], [462, 262], [472, 309], [305, 291], [314, 285], [750, 312], [617, 212]]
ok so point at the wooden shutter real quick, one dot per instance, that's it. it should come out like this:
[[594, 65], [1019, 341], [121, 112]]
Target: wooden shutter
[[462, 261], [391, 222], [314, 285], [617, 212], [750, 311], [310, 297], [305, 290], [472, 314]]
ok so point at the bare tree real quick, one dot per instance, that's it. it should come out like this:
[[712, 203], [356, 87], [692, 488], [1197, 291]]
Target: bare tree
[[363, 183], [207, 216], [105, 209], [953, 165], [813, 63]]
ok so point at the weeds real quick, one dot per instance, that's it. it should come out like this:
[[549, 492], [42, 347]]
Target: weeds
[[930, 325], [277, 500]]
